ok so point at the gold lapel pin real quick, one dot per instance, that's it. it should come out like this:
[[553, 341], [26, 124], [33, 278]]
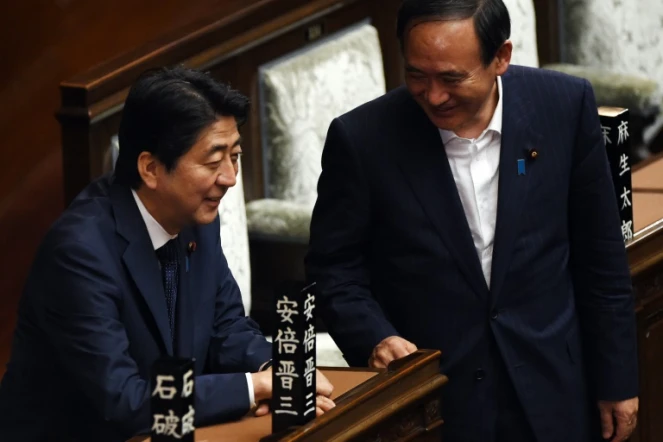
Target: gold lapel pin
[[192, 246], [533, 153]]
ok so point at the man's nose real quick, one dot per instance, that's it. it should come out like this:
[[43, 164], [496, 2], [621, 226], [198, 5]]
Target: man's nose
[[227, 175], [436, 94]]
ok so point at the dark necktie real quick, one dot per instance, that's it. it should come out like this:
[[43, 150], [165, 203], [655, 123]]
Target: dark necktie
[[168, 257]]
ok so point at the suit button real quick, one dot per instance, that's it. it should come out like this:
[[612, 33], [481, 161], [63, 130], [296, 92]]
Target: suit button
[[494, 314], [479, 374]]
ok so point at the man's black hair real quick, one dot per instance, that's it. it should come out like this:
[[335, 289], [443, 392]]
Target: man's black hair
[[164, 114], [491, 20]]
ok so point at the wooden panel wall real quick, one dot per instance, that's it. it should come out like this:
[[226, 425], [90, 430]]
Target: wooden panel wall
[[42, 43], [548, 31]]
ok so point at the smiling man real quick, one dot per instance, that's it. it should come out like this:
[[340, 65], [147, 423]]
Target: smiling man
[[472, 211], [133, 271]]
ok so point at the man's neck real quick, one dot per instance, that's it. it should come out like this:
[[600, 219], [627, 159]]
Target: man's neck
[[152, 204], [475, 127]]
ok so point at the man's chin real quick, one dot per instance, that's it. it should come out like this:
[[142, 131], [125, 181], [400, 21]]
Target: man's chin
[[205, 217], [443, 122], [447, 120]]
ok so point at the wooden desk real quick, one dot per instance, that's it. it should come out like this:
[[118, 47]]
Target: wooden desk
[[401, 403], [645, 253]]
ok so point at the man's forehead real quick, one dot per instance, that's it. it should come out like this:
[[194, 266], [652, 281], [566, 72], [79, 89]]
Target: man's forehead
[[440, 23], [227, 130], [447, 44], [224, 125]]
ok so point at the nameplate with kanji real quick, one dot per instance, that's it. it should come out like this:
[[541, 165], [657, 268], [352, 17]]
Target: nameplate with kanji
[[172, 400], [614, 124], [293, 352]]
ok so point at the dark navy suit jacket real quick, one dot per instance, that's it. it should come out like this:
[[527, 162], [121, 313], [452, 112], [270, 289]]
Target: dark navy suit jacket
[[93, 319], [392, 254]]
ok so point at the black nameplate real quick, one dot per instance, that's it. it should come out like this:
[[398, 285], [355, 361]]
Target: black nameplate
[[172, 401], [293, 353], [614, 124]]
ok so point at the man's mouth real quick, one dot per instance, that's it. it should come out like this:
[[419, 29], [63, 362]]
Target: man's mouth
[[443, 110]]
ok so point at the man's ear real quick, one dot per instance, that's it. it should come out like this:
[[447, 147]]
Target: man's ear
[[503, 57], [148, 169]]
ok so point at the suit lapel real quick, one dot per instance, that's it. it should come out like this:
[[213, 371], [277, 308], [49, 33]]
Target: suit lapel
[[429, 175], [517, 141], [140, 259], [186, 298]]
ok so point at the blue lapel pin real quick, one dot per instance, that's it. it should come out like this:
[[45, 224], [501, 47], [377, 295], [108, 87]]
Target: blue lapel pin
[[521, 167], [191, 247]]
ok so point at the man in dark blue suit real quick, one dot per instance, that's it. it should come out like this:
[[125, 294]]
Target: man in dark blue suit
[[473, 212], [134, 271]]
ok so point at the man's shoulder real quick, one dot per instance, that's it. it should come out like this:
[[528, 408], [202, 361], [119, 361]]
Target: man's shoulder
[[524, 77], [386, 104], [381, 113], [394, 98], [88, 216], [543, 92]]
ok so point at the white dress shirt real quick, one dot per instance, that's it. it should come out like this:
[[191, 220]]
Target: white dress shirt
[[159, 238], [475, 167]]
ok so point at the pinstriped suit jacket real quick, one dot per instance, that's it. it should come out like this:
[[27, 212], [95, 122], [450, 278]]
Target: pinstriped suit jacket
[[392, 254]]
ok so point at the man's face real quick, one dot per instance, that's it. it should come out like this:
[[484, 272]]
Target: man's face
[[191, 192], [445, 75]]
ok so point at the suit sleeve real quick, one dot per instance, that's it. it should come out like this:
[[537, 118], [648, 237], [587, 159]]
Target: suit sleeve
[[337, 260], [237, 344], [600, 268], [82, 321]]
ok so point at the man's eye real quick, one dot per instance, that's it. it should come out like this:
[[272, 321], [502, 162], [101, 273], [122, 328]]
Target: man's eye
[[452, 80], [214, 164]]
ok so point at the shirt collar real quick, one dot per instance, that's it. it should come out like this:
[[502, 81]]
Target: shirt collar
[[495, 124], [158, 234]]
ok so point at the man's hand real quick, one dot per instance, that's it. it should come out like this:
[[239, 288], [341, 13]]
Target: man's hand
[[262, 385], [322, 405], [262, 390], [391, 348], [322, 385], [618, 419]]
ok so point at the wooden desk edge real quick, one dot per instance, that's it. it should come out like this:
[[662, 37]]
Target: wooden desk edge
[[365, 391]]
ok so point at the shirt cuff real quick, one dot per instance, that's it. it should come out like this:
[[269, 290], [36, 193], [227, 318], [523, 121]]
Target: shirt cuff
[[252, 396]]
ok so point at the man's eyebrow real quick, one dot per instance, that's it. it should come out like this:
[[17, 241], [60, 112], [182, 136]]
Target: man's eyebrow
[[453, 74], [412, 69], [458, 74], [219, 147]]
